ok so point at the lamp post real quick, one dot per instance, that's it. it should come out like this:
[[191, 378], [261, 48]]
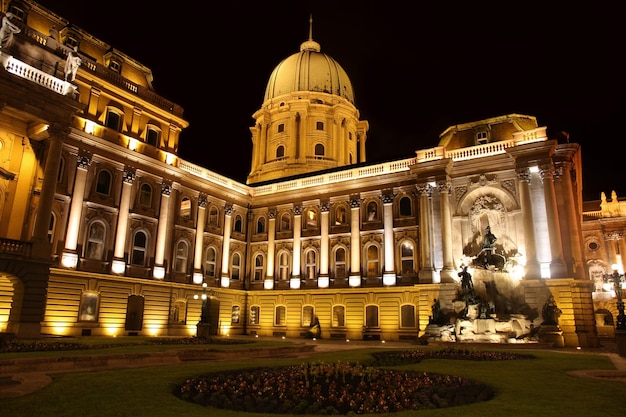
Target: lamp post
[[617, 279], [203, 327]]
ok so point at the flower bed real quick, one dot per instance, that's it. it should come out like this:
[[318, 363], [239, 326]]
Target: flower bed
[[342, 388]]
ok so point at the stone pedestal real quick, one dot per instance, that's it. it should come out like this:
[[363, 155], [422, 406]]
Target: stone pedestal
[[551, 333], [203, 330], [620, 340]]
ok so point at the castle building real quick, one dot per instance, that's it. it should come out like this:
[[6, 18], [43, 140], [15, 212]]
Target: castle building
[[105, 230]]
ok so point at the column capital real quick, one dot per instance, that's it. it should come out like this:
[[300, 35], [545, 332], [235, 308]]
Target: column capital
[[202, 201], [325, 206], [166, 188], [523, 174], [57, 129], [387, 197], [355, 202], [129, 175], [228, 209]]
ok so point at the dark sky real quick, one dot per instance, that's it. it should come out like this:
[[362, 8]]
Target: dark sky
[[416, 69]]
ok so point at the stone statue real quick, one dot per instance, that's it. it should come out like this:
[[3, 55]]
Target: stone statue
[[436, 310], [71, 64], [550, 312], [7, 29], [466, 280]]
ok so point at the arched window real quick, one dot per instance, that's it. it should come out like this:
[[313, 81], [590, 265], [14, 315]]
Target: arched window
[[153, 135], [283, 266], [371, 316], [259, 268], [373, 261], [138, 253], [185, 208], [340, 215], [308, 312], [311, 218], [407, 316], [182, 254], [238, 226], [407, 258], [280, 152], [260, 225], [95, 241], [178, 314], [310, 264], [235, 312], [235, 266], [319, 151], [339, 316], [113, 119], [214, 219], [285, 222], [372, 211], [145, 195], [255, 315], [210, 262], [405, 206], [103, 183], [280, 316], [340, 263]]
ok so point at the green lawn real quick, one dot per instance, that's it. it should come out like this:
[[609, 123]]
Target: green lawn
[[534, 387]]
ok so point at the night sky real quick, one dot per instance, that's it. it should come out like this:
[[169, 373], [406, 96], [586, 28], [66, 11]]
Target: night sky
[[416, 69]]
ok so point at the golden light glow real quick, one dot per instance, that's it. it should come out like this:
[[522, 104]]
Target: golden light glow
[[170, 158], [158, 272], [268, 284], [69, 260], [118, 267], [90, 127], [132, 144]]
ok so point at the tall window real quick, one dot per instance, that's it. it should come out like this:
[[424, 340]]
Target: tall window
[[339, 316], [255, 315], [153, 135], [280, 152], [310, 264], [281, 127], [182, 254], [113, 120], [103, 183], [260, 225], [371, 316], [319, 125], [373, 262], [238, 227], [95, 241], [235, 266], [340, 215], [138, 253], [406, 257], [61, 171], [285, 222], [405, 206], [407, 316], [145, 195], [280, 314], [319, 151], [185, 208], [178, 314], [283, 266], [259, 269], [311, 218], [308, 312], [214, 219], [210, 262], [372, 211], [340, 263], [234, 314]]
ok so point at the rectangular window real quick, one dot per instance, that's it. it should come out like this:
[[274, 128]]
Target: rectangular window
[[339, 314], [307, 315], [319, 125], [281, 313], [407, 316], [234, 315], [255, 314], [281, 127]]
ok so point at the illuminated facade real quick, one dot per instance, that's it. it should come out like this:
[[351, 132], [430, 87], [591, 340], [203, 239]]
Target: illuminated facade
[[104, 230]]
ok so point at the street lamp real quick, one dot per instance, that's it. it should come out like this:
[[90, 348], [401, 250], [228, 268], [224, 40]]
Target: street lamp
[[204, 315], [617, 279]]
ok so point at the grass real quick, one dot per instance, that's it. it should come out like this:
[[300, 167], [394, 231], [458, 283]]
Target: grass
[[539, 387]]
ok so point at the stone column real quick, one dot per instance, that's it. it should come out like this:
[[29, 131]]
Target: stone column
[[355, 243], [532, 269], [427, 268], [163, 230], [297, 244], [271, 249], [323, 279], [557, 266], [447, 272], [198, 277], [41, 246], [389, 273], [228, 212], [573, 248], [76, 206], [119, 264]]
